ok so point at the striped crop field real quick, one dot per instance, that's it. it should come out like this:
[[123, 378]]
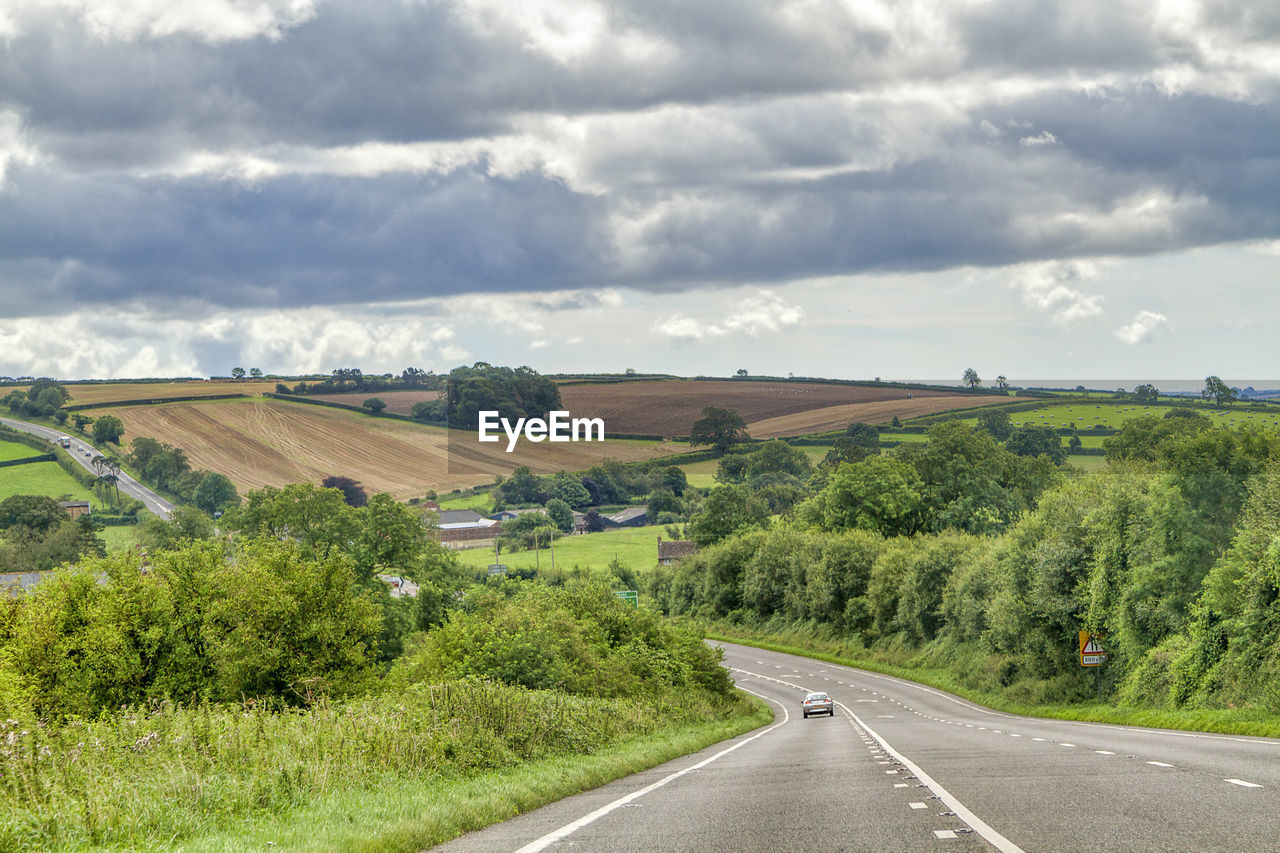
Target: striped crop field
[[112, 392], [263, 442], [669, 407], [398, 402]]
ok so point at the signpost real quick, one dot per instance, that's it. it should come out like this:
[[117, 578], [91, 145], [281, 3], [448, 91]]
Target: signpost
[[1093, 654], [629, 595], [497, 569], [1091, 651]]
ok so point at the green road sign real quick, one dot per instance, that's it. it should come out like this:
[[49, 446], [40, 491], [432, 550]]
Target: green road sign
[[629, 595]]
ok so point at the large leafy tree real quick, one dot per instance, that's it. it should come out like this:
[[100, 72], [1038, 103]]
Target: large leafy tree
[[726, 511], [1218, 391], [1037, 441], [996, 422], [720, 428], [317, 518], [216, 493], [882, 494], [107, 428]]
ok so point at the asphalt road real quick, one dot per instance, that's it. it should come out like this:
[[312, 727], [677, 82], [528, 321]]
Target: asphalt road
[[131, 487], [906, 767]]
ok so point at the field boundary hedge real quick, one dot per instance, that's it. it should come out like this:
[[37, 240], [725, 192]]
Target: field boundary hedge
[[64, 460], [27, 460], [154, 401]]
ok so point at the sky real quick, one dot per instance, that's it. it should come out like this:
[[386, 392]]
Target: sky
[[847, 189]]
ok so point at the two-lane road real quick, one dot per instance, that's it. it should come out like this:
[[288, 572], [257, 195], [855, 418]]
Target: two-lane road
[[83, 452], [907, 767]]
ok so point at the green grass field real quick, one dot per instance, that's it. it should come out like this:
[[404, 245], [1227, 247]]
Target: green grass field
[[635, 547], [13, 450], [119, 538], [1114, 415], [1088, 463], [702, 475], [40, 478], [482, 503]]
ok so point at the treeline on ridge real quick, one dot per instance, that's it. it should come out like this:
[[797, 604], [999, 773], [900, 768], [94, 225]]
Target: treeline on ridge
[[512, 392]]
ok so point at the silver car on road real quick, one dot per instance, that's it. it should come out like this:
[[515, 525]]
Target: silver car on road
[[818, 703]]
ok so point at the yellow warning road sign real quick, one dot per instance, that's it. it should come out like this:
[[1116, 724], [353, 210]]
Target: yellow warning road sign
[[1091, 651]]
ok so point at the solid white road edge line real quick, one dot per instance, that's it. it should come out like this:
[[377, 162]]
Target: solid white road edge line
[[563, 832]]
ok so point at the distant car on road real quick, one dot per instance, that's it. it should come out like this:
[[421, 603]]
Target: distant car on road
[[818, 703]]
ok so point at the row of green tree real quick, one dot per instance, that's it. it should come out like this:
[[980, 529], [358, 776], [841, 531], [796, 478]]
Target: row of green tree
[[292, 610], [991, 566], [512, 392], [167, 467]]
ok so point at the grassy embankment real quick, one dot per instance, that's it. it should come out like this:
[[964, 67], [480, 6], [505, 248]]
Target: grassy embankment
[[400, 771], [919, 666]]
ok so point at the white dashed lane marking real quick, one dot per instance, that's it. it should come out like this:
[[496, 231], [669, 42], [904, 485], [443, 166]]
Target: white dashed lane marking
[[1242, 783], [1159, 764]]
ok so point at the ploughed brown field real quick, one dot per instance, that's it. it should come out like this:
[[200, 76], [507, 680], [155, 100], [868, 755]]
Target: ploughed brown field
[[668, 407], [111, 392], [263, 442], [398, 402]]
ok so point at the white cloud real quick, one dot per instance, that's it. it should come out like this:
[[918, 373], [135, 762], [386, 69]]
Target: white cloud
[[1144, 325], [126, 20], [1048, 287], [678, 327], [764, 312], [1042, 138], [14, 147]]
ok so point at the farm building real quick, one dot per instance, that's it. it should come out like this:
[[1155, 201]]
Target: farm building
[[674, 550], [509, 514], [75, 509], [636, 516], [465, 528]]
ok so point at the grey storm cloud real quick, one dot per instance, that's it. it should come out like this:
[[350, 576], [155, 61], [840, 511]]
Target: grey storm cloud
[[659, 145]]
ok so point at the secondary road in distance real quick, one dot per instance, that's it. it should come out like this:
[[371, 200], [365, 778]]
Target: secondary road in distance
[[131, 487], [906, 767]]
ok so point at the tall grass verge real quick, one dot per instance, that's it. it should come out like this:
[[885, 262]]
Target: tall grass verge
[[366, 770]]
